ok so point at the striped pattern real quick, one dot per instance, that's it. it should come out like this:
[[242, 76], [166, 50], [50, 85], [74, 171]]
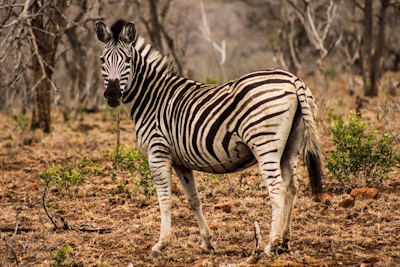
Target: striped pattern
[[265, 117]]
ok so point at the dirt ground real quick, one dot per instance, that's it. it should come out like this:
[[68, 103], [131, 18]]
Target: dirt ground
[[111, 227]]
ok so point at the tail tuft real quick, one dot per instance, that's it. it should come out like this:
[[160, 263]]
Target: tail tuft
[[314, 166]]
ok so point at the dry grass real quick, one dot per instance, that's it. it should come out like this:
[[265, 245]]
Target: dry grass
[[128, 223]]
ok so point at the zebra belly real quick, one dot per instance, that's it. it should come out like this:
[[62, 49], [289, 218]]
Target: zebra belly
[[235, 157], [240, 157]]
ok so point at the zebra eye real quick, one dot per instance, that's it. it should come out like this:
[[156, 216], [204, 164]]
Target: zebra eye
[[102, 60], [128, 59]]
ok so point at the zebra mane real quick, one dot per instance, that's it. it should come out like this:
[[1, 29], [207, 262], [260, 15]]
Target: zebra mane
[[117, 27], [152, 55]]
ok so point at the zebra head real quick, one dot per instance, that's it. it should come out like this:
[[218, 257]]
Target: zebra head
[[116, 58]]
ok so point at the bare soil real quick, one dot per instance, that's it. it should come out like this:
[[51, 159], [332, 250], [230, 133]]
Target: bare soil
[[112, 228]]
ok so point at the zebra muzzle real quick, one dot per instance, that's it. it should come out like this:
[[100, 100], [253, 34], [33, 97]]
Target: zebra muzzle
[[113, 93]]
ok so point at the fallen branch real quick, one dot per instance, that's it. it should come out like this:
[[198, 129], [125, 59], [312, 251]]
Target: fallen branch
[[45, 208], [13, 252], [15, 230], [85, 229]]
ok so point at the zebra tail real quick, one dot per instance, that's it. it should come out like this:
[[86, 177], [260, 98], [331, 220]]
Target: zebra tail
[[314, 166], [311, 145]]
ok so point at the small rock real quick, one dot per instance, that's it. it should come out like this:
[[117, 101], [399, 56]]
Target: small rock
[[34, 185], [370, 193], [225, 207], [146, 246], [366, 193], [347, 202], [358, 192], [324, 198], [213, 226]]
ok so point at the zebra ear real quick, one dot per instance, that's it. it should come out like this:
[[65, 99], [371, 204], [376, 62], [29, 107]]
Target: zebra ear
[[129, 33], [102, 31]]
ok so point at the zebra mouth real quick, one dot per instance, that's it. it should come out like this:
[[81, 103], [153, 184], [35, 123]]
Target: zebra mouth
[[113, 102], [113, 94]]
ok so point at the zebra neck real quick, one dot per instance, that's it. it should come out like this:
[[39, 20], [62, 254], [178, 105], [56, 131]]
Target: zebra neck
[[148, 95]]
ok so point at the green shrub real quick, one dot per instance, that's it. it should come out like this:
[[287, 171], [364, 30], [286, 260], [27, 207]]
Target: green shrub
[[21, 121], [211, 80], [65, 175], [330, 72], [60, 255], [136, 163], [360, 158]]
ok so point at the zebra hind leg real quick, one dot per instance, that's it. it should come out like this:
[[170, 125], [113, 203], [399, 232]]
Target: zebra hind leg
[[271, 173], [189, 186], [289, 161], [288, 166]]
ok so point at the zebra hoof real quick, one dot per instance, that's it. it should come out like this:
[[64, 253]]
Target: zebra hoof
[[207, 247], [285, 248], [277, 249], [155, 253], [281, 250]]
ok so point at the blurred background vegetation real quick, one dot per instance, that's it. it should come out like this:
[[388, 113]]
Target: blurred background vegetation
[[49, 55]]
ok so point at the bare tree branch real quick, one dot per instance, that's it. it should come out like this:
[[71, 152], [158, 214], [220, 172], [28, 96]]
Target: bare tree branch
[[317, 35], [358, 5], [220, 49]]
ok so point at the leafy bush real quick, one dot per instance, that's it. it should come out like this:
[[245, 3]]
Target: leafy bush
[[65, 175], [136, 163], [360, 157], [330, 72], [60, 255], [21, 121], [211, 80]]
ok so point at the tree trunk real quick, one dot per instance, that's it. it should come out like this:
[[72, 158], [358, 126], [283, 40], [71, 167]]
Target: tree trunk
[[41, 100], [78, 68], [47, 30], [155, 33], [367, 48], [376, 66]]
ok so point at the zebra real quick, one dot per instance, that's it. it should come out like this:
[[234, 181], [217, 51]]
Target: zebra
[[266, 117]]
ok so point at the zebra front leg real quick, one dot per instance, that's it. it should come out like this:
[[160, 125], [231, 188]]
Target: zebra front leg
[[161, 171], [191, 193]]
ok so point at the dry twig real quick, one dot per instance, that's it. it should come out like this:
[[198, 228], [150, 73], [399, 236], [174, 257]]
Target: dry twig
[[45, 208], [255, 255]]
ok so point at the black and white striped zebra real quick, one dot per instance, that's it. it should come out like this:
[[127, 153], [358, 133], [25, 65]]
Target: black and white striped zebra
[[265, 117]]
